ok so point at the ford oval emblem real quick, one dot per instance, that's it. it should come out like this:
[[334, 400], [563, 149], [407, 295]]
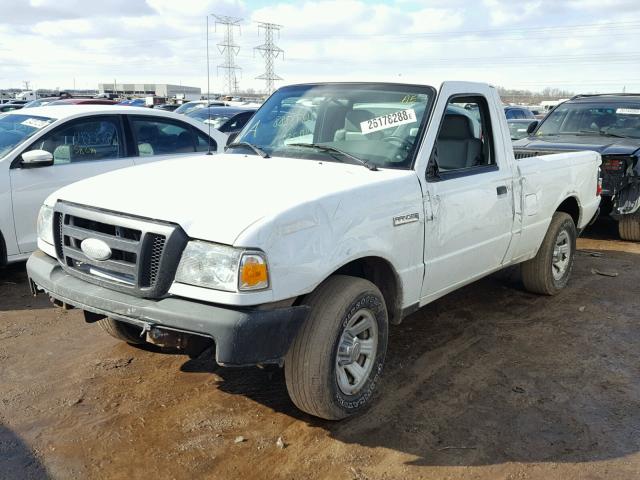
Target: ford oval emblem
[[95, 249]]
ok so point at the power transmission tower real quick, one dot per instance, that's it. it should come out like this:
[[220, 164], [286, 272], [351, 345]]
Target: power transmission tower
[[269, 52], [229, 49]]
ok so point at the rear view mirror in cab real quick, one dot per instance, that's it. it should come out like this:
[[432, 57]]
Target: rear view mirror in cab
[[36, 158], [532, 126]]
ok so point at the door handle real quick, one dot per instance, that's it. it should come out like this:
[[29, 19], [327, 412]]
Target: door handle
[[501, 190]]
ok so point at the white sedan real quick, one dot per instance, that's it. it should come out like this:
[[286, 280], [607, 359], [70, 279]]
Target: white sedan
[[45, 148]]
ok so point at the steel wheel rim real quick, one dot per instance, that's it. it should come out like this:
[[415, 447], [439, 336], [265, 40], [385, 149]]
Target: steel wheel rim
[[356, 352], [561, 255]]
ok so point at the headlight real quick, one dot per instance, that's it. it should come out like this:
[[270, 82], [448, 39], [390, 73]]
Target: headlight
[[222, 267], [45, 224]]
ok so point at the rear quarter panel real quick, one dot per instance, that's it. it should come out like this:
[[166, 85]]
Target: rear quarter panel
[[546, 182]]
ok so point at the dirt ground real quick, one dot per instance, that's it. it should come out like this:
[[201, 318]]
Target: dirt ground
[[489, 382]]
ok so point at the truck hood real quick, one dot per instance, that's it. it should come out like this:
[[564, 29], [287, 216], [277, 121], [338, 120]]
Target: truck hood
[[217, 197], [597, 143]]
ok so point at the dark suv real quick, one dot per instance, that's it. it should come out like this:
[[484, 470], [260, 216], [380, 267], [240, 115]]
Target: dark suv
[[610, 125], [513, 113]]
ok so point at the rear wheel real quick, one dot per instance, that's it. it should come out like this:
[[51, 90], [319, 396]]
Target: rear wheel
[[549, 271], [336, 360], [122, 331], [629, 227]]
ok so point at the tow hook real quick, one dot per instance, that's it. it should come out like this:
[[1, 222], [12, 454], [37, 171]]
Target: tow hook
[[167, 338], [59, 303]]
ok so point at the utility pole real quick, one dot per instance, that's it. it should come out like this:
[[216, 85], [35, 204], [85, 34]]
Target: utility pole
[[229, 49], [269, 51]]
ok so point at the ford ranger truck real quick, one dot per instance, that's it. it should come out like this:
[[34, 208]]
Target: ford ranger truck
[[339, 209]]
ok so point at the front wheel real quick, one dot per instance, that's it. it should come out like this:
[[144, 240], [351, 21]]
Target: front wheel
[[336, 360], [122, 330], [549, 271]]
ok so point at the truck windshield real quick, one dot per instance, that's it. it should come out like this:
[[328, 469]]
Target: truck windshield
[[606, 119], [379, 124], [15, 128]]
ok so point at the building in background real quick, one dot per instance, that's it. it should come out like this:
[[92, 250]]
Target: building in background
[[163, 90]]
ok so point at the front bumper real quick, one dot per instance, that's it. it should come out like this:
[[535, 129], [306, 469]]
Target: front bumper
[[242, 336]]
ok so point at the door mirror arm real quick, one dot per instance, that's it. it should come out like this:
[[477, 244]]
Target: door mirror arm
[[433, 174], [232, 137]]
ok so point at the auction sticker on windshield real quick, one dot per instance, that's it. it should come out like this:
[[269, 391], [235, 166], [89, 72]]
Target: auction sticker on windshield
[[628, 111], [35, 123], [390, 120]]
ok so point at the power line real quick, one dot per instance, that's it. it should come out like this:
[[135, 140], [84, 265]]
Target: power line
[[483, 32], [522, 61], [229, 49], [269, 51]]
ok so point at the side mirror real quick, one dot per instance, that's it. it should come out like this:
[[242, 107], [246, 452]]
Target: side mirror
[[231, 138], [532, 126], [36, 158]]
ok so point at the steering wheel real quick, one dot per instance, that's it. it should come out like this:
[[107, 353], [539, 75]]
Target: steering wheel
[[402, 143], [399, 141]]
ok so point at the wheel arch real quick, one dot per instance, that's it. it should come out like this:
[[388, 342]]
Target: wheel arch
[[3, 251], [571, 206], [383, 275]]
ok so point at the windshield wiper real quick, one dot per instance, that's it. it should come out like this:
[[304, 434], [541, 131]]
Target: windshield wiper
[[253, 147], [330, 149], [601, 133]]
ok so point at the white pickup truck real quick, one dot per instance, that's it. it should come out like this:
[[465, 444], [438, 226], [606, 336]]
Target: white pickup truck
[[339, 209]]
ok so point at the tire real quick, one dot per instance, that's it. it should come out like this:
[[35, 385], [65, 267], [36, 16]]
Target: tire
[[542, 274], [315, 360], [629, 227], [122, 331]]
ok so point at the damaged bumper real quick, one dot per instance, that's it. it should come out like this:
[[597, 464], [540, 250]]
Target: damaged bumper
[[627, 200], [242, 336]]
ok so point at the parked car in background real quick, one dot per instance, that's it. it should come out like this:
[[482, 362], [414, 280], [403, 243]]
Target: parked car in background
[[514, 112], [134, 102], [9, 107], [83, 101], [41, 102], [341, 209], [169, 107], [610, 125], [518, 128], [196, 104], [45, 148], [229, 120]]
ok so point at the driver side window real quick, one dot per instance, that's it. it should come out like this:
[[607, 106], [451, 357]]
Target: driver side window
[[87, 139], [464, 141]]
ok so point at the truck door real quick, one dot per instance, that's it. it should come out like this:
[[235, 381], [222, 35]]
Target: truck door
[[468, 195]]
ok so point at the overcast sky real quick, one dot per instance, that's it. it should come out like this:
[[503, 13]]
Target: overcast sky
[[580, 45]]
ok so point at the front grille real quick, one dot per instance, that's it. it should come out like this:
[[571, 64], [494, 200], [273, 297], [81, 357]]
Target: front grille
[[143, 253], [154, 259]]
